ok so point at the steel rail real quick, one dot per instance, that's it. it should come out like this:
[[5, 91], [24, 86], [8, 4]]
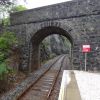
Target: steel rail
[[52, 87], [24, 92]]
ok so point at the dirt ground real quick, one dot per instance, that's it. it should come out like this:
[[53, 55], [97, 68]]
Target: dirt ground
[[13, 82]]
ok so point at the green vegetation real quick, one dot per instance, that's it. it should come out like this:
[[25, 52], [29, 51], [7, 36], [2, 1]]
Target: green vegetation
[[3, 70], [7, 7], [6, 21], [7, 41], [18, 8]]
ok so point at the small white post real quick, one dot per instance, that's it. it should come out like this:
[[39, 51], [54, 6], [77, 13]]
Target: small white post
[[85, 60]]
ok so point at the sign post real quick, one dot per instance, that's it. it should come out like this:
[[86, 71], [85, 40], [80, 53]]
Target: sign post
[[86, 49], [85, 60]]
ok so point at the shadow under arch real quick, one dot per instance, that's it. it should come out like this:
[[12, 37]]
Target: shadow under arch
[[39, 36]]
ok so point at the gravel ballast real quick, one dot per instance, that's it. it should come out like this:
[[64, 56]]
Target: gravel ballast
[[32, 78]]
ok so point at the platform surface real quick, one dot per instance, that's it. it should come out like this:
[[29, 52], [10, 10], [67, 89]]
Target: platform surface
[[89, 85], [80, 85], [69, 89]]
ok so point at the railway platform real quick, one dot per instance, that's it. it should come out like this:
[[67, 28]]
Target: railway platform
[[69, 89], [80, 85]]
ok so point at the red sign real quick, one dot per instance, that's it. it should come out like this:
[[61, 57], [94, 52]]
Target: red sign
[[86, 48]]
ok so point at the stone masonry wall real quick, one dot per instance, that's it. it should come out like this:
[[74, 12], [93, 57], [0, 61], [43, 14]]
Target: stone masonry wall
[[79, 19], [64, 10]]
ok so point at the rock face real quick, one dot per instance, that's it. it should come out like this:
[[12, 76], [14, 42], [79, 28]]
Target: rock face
[[54, 45], [58, 45]]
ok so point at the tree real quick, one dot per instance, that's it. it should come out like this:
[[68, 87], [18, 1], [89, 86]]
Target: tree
[[6, 21], [5, 2], [5, 9], [5, 6], [18, 8], [8, 41]]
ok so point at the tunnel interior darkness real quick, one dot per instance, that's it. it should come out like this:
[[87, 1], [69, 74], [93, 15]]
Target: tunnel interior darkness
[[39, 36]]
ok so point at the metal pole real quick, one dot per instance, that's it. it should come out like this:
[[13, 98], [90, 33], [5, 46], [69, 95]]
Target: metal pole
[[85, 60]]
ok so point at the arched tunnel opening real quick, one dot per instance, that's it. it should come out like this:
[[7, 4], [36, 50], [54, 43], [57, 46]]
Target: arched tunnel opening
[[52, 46], [41, 35]]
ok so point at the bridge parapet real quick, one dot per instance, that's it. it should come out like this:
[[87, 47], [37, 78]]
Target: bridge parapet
[[64, 10]]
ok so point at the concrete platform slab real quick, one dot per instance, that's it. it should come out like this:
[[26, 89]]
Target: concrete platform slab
[[69, 88]]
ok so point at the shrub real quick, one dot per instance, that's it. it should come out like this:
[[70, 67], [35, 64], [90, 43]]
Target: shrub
[[3, 70], [7, 41], [2, 57]]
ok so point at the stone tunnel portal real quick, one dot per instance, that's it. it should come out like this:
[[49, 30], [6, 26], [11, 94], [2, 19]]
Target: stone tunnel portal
[[38, 37], [79, 18]]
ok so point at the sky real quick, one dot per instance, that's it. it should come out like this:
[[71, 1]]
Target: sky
[[39, 3]]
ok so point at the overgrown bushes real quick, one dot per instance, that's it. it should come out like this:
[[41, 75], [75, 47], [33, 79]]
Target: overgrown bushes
[[8, 41]]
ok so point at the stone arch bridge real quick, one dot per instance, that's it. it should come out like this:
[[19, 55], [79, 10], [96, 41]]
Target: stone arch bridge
[[79, 21]]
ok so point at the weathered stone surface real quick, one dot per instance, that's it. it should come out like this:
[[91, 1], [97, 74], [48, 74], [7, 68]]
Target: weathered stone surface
[[77, 20], [58, 11]]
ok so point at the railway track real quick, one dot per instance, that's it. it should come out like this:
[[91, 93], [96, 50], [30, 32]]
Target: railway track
[[55, 93], [43, 87]]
